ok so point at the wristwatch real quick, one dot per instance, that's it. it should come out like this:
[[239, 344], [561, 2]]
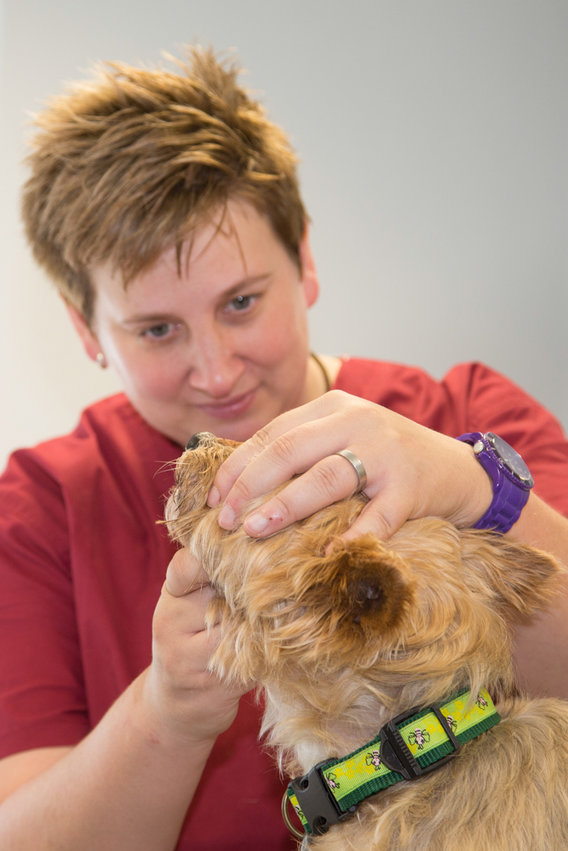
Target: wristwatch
[[511, 479]]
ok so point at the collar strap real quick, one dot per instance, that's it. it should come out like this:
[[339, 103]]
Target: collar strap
[[408, 746]]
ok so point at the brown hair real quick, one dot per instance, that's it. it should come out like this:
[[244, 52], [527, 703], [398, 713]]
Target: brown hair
[[129, 164]]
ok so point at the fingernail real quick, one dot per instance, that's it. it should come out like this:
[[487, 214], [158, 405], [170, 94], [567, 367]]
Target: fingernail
[[214, 498], [255, 524], [226, 517]]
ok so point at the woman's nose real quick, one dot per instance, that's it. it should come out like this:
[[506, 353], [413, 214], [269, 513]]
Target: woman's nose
[[215, 366]]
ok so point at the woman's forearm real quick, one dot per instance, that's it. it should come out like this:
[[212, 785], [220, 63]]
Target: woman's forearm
[[125, 787], [541, 646]]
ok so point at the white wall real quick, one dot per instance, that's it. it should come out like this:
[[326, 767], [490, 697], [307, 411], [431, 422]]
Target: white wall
[[433, 137]]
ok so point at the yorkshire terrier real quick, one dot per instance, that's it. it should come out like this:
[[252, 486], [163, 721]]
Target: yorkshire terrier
[[386, 672]]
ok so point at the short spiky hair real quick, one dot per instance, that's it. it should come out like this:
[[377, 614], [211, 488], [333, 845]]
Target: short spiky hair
[[128, 164]]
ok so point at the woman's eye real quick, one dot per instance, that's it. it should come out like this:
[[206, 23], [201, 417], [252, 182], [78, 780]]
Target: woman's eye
[[158, 331], [241, 302]]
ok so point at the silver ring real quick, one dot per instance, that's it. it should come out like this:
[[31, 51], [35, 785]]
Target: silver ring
[[358, 466]]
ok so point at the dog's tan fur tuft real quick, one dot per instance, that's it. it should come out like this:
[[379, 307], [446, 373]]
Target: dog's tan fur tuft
[[342, 636]]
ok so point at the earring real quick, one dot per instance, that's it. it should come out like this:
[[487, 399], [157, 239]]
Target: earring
[[101, 360]]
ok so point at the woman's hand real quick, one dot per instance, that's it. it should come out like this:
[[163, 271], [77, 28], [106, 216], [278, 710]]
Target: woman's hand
[[186, 696], [412, 471]]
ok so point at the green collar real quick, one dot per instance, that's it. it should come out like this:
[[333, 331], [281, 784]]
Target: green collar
[[407, 747]]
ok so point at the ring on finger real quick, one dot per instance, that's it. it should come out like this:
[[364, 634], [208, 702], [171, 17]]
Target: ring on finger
[[358, 466]]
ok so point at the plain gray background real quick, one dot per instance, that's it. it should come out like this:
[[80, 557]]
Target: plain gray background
[[433, 140]]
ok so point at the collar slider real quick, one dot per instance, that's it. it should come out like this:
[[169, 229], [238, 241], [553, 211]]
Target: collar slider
[[395, 752]]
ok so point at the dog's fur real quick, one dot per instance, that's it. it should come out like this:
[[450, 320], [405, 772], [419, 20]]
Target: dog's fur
[[344, 636]]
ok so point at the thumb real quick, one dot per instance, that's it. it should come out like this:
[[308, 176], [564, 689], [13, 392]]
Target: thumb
[[184, 574]]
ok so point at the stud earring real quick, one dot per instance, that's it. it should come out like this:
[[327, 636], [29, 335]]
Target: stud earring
[[101, 360]]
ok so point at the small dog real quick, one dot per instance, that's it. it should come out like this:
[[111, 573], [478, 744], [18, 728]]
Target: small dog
[[343, 637]]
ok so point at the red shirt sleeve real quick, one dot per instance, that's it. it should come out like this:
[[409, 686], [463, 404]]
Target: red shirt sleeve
[[40, 664]]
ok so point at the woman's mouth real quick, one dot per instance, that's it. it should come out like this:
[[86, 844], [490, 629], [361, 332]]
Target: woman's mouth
[[231, 408]]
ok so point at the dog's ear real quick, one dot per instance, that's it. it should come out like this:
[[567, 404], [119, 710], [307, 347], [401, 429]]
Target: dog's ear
[[522, 579], [343, 603], [368, 585], [194, 475]]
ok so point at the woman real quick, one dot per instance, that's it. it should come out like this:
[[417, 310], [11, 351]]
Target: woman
[[166, 209]]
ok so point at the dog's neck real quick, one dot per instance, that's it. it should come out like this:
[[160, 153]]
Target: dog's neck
[[405, 748]]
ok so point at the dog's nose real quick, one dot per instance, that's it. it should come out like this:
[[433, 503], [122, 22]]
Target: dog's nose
[[198, 438]]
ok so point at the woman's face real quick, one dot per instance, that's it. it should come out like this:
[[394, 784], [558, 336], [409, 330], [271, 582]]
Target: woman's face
[[221, 346]]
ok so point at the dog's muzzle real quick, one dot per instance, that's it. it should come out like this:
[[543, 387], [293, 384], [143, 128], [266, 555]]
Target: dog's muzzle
[[197, 438]]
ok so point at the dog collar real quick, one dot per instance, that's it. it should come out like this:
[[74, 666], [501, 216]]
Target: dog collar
[[408, 746]]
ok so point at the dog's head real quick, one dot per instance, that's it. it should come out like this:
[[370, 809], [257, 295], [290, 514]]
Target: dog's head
[[410, 618]]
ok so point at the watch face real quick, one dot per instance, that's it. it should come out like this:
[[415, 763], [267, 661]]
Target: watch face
[[510, 458]]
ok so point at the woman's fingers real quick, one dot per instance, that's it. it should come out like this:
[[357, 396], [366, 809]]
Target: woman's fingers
[[327, 481], [306, 439], [411, 471], [272, 455], [381, 517], [188, 697]]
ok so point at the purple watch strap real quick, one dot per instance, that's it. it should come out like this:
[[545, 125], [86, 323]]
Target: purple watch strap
[[510, 494]]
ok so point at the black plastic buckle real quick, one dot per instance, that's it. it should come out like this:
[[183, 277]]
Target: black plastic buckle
[[319, 807], [396, 754]]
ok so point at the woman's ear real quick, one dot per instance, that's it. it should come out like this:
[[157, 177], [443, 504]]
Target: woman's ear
[[88, 338], [309, 279]]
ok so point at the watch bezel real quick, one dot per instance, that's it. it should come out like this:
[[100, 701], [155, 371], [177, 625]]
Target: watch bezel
[[509, 458]]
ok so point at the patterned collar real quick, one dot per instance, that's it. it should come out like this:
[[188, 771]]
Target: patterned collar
[[405, 748]]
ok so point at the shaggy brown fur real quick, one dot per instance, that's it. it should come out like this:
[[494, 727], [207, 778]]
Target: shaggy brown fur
[[344, 636]]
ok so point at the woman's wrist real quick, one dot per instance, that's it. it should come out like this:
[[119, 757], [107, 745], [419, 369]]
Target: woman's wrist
[[510, 478], [188, 717]]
